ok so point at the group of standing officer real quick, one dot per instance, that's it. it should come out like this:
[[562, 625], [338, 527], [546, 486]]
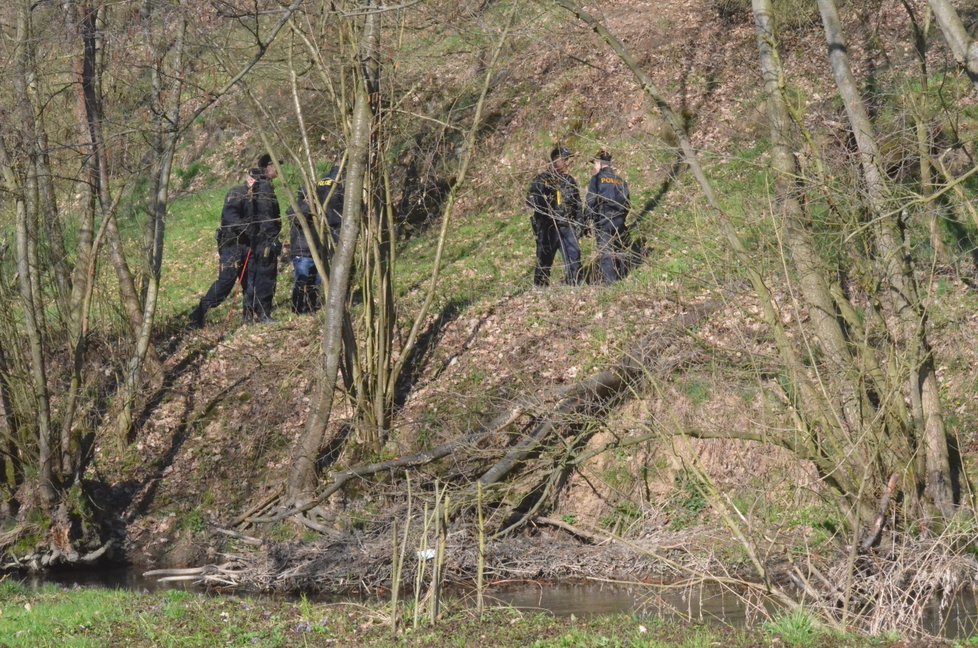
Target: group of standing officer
[[560, 218], [248, 239], [248, 244]]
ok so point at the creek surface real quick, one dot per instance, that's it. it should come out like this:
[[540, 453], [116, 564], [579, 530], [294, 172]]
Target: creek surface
[[706, 603]]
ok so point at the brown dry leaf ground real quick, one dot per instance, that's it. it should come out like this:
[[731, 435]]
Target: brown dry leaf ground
[[217, 440]]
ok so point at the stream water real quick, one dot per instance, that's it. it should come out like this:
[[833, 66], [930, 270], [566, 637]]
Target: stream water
[[707, 603]]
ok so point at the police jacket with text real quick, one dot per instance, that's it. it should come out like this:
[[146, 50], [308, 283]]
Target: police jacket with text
[[333, 209], [237, 218], [608, 201], [556, 196]]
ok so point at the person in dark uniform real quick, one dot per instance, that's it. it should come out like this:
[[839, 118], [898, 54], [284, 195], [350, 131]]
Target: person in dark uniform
[[262, 271], [607, 206], [556, 204], [329, 193], [233, 247]]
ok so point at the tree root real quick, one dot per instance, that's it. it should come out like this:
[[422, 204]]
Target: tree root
[[259, 508], [228, 575], [53, 557]]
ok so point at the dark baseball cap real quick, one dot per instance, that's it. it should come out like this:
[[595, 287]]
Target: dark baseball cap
[[265, 159], [601, 156], [561, 152]]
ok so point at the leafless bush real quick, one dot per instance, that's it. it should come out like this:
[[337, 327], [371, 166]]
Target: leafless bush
[[902, 588]]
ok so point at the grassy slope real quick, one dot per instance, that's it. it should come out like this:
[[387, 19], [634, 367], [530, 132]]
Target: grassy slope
[[501, 338]]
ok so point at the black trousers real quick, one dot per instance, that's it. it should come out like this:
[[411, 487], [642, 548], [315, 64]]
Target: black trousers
[[231, 261], [262, 275], [552, 237], [305, 286], [612, 238]]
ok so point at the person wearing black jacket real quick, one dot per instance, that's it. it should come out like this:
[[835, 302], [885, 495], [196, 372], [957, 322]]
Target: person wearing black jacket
[[233, 246], [607, 206], [555, 202], [262, 271], [306, 279]]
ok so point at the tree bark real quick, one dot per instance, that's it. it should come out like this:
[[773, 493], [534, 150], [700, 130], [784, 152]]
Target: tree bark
[[51, 223], [92, 92], [86, 246], [963, 47], [921, 117], [846, 406], [166, 135], [900, 295], [28, 280], [305, 453]]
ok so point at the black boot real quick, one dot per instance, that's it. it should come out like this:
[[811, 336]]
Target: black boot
[[196, 318]]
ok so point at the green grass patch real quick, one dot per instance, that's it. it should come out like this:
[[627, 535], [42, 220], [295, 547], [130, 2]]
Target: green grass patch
[[190, 252], [796, 628], [52, 616]]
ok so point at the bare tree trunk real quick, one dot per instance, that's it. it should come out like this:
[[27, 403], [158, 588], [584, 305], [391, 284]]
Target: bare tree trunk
[[789, 196], [86, 250], [91, 87], [922, 131], [52, 219], [921, 118], [10, 469], [83, 245], [846, 406], [167, 133], [70, 431], [963, 47], [901, 296], [302, 478], [377, 272], [29, 283]]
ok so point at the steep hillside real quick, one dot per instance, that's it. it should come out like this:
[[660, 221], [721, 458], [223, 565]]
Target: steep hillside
[[214, 441]]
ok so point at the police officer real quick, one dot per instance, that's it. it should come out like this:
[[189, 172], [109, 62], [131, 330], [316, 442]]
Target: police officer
[[262, 270], [556, 204], [607, 206], [306, 279], [233, 246]]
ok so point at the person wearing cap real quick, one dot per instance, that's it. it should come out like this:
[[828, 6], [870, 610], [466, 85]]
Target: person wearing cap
[[555, 201], [262, 270], [234, 238], [607, 203], [306, 279]]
